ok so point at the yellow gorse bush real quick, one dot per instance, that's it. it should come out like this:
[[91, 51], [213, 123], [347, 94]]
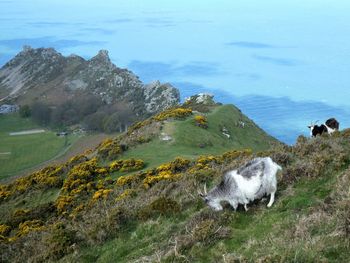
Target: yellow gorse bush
[[177, 113], [125, 194], [102, 193], [63, 202], [48, 177], [126, 180], [77, 159], [109, 148], [150, 180], [126, 165], [167, 171], [201, 121], [28, 226], [4, 229], [81, 184], [173, 113]]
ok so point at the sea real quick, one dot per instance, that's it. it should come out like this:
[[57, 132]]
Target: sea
[[285, 64]]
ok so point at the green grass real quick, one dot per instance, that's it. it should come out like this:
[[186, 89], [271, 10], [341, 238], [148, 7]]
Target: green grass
[[253, 232], [29, 202], [190, 141], [21, 152], [307, 222], [12, 122], [135, 242]]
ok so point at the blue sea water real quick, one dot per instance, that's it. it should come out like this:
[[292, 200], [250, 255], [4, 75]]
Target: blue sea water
[[284, 63]]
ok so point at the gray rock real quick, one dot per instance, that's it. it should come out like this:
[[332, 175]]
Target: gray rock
[[47, 75]]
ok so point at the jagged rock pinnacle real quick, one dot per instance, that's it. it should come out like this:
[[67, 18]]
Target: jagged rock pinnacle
[[27, 48]]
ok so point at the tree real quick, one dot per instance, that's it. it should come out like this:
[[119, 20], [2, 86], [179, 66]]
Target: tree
[[112, 123], [95, 121], [24, 111], [41, 113]]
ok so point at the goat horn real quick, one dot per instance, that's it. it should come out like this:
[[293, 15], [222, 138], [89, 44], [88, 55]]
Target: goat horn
[[200, 193], [205, 188]]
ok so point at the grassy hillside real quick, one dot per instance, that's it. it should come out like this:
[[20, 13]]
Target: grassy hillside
[[157, 216], [109, 207], [190, 141]]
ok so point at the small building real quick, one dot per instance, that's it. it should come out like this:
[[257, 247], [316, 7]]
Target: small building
[[7, 108], [62, 134]]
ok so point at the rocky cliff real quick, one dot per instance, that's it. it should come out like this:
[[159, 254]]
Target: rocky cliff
[[45, 75]]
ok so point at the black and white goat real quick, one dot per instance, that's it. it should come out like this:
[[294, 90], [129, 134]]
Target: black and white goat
[[251, 181], [331, 125]]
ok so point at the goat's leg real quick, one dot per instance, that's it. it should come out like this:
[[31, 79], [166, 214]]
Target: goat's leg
[[233, 204], [245, 207], [272, 199]]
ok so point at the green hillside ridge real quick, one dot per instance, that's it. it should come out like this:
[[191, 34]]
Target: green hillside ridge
[[191, 141], [134, 199]]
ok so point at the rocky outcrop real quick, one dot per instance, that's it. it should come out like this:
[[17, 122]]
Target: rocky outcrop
[[160, 96], [46, 75], [201, 98]]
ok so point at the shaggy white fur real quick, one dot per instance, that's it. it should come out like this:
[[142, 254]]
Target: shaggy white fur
[[252, 181]]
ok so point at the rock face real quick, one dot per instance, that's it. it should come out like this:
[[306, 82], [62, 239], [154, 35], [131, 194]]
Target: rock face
[[201, 98], [46, 75], [160, 96]]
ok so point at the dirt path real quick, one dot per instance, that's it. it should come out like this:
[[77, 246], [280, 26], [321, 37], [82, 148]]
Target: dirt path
[[27, 132]]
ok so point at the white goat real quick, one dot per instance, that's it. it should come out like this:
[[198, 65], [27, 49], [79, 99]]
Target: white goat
[[251, 181]]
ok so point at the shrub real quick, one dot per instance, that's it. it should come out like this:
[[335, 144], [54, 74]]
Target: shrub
[[160, 206], [24, 111], [114, 221], [127, 165], [49, 177], [177, 113], [4, 230], [125, 194], [110, 149], [102, 193], [126, 180], [28, 226], [201, 121], [60, 241]]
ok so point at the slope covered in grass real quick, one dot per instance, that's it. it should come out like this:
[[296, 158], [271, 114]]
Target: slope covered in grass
[[115, 205], [156, 215], [190, 140]]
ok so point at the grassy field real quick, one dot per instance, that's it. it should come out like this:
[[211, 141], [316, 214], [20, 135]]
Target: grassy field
[[21, 152], [190, 141]]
